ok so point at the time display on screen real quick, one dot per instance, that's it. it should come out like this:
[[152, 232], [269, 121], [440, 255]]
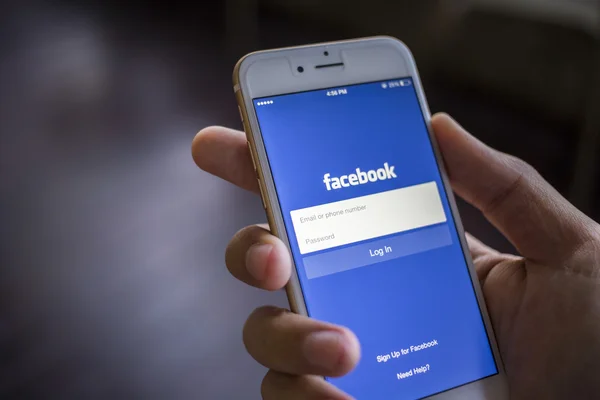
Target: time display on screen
[[337, 92]]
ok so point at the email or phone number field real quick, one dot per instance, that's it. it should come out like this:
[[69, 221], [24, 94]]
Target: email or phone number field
[[362, 218]]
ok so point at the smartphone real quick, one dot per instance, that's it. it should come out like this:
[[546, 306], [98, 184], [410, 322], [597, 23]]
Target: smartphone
[[353, 183]]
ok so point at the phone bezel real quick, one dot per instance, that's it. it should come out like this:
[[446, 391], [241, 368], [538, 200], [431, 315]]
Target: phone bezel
[[274, 72]]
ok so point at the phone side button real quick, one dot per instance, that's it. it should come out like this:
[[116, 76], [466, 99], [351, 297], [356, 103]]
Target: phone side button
[[262, 194], [251, 156], [241, 115]]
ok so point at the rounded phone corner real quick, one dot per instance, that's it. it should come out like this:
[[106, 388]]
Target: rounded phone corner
[[398, 45], [236, 71]]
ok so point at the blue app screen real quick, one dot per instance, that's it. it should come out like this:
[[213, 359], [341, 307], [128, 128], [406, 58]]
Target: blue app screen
[[373, 238]]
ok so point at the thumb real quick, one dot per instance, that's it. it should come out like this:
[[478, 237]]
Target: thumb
[[539, 222]]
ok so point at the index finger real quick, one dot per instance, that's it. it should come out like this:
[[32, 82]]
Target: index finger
[[541, 224], [224, 152]]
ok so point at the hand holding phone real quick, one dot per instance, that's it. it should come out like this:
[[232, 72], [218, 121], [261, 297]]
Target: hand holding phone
[[352, 183], [506, 189]]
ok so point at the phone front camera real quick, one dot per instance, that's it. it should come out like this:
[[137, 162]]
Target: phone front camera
[[325, 53], [300, 69]]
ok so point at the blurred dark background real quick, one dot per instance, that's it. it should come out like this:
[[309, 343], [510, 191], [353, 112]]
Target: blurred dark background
[[112, 280]]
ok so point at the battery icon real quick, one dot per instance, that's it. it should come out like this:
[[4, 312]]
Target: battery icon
[[405, 82]]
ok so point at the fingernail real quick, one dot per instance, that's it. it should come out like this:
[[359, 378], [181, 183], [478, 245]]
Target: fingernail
[[324, 349], [257, 259]]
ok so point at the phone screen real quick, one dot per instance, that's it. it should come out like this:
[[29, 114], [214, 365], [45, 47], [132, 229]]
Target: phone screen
[[373, 238]]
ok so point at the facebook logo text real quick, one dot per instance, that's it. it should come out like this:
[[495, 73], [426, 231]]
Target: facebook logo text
[[360, 177]]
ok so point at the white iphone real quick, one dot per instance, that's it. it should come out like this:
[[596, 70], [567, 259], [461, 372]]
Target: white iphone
[[353, 183]]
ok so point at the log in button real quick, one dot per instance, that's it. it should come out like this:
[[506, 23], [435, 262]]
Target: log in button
[[370, 253]]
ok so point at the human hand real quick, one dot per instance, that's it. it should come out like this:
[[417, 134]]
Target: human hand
[[544, 304]]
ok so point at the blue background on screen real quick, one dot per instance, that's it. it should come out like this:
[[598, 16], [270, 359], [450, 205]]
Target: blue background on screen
[[393, 304]]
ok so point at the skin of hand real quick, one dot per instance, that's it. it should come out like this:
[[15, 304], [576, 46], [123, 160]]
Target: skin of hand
[[544, 304]]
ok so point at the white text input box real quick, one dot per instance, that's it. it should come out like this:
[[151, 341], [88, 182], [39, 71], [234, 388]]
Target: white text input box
[[367, 217]]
